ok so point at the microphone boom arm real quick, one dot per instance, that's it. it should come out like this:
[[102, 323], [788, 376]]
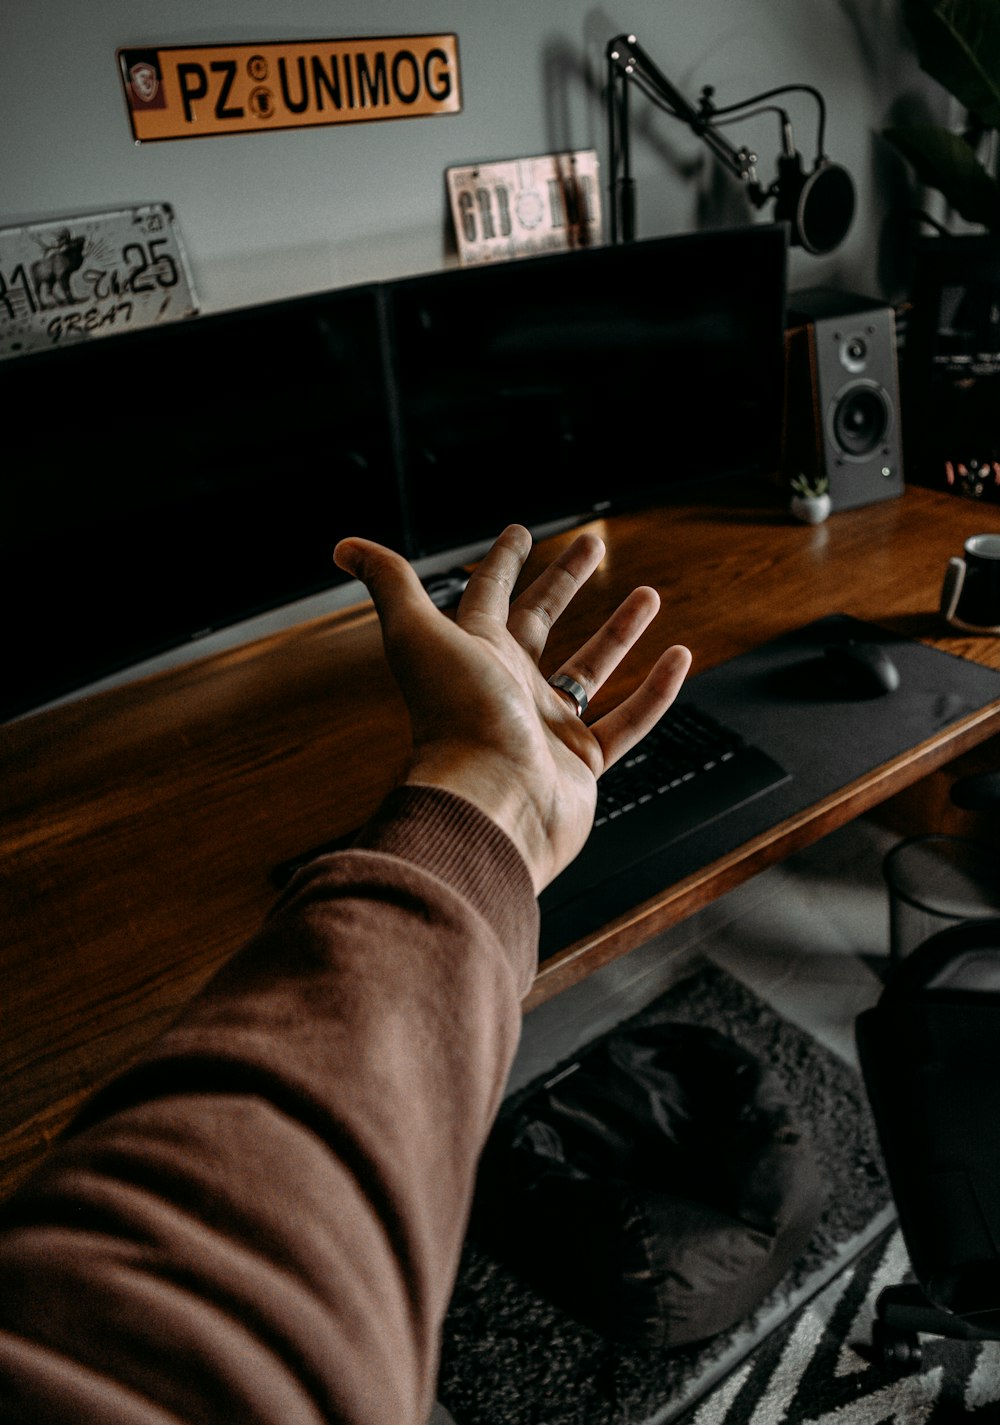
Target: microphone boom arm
[[819, 206], [629, 62]]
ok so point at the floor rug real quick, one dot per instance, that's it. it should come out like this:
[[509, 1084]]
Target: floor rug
[[818, 1369], [511, 1357]]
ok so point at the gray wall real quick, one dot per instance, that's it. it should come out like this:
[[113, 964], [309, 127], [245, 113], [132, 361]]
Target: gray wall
[[271, 215]]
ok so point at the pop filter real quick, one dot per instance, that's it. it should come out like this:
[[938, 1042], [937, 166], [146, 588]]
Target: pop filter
[[819, 206]]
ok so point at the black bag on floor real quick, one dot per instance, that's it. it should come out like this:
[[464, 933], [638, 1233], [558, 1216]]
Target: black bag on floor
[[656, 1191]]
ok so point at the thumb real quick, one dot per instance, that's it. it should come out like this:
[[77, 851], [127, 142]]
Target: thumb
[[391, 581]]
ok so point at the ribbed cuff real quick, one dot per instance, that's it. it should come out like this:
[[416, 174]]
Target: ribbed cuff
[[456, 842]]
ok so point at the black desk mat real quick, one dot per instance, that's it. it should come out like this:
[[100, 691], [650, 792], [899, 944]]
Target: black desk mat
[[775, 697]]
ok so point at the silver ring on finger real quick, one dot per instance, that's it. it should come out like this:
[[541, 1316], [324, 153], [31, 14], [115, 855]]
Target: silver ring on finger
[[565, 684]]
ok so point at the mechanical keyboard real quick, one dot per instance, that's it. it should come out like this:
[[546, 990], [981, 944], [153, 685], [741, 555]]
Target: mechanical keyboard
[[689, 771]]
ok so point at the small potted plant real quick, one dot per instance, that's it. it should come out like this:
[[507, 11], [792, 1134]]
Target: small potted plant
[[810, 500]]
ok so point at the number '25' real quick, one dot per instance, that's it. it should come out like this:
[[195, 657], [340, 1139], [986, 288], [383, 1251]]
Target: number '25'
[[147, 271]]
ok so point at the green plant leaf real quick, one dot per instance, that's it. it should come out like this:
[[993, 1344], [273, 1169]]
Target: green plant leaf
[[958, 44], [810, 489], [946, 162]]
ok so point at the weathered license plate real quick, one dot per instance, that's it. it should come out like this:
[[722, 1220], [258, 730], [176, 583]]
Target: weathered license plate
[[75, 279]]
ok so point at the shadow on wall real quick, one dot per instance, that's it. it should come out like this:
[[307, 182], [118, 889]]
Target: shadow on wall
[[722, 199], [566, 75], [885, 47], [882, 35], [903, 198]]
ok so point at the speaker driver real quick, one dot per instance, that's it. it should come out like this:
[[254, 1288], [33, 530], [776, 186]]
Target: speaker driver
[[861, 420], [854, 354]]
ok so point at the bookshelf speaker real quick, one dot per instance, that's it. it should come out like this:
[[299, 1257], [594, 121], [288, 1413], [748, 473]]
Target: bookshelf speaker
[[842, 415]]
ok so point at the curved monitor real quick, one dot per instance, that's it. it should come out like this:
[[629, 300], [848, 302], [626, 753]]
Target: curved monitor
[[587, 381], [188, 478]]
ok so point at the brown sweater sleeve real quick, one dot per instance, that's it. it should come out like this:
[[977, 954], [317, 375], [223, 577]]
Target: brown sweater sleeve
[[261, 1221]]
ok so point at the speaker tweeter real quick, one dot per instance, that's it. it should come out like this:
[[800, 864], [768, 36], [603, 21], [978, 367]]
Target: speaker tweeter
[[842, 396]]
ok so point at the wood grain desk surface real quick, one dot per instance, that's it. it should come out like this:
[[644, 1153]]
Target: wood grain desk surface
[[139, 826]]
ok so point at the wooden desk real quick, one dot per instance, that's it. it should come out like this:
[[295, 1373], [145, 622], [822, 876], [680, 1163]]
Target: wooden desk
[[139, 826]]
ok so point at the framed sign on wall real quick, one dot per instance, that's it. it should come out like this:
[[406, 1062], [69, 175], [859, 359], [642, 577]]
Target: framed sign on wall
[[522, 206]]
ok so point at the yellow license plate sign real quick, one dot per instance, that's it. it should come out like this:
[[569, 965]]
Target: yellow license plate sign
[[177, 92]]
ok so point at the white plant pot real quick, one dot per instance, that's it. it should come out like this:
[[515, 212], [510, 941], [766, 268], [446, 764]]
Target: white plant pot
[[810, 509]]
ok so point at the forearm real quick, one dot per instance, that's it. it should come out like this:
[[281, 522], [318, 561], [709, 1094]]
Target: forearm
[[263, 1220]]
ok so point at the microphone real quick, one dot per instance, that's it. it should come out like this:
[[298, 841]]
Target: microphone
[[818, 206]]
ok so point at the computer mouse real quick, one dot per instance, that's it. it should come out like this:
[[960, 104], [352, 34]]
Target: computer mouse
[[446, 589], [860, 670]]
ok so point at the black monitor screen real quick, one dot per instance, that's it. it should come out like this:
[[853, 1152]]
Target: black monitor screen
[[589, 380], [160, 485]]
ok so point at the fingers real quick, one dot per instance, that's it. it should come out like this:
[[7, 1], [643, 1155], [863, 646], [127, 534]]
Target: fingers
[[535, 611], [487, 594], [619, 730], [594, 663], [388, 576]]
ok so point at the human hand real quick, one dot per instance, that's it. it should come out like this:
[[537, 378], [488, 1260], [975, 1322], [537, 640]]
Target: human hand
[[485, 723]]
